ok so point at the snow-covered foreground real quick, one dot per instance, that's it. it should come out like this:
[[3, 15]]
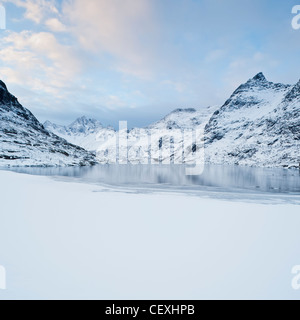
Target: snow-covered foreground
[[69, 240]]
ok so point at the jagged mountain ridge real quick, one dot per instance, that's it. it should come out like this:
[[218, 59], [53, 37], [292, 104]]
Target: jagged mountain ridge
[[82, 125], [258, 125], [25, 142], [88, 133]]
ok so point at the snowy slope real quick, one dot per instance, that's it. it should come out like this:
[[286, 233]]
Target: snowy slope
[[258, 125], [25, 142], [184, 119], [64, 229]]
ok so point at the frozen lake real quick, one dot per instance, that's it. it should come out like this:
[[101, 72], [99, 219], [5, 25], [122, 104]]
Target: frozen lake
[[174, 178]]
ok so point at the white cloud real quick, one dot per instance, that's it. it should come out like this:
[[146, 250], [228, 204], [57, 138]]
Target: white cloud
[[38, 60], [125, 29], [104, 53], [36, 10], [42, 12], [55, 25]]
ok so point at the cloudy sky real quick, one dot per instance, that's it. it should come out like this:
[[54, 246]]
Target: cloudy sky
[[137, 60]]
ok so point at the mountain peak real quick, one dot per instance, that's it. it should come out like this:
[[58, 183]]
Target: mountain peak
[[47, 123], [86, 121], [259, 77], [6, 98], [3, 85], [82, 119], [85, 125]]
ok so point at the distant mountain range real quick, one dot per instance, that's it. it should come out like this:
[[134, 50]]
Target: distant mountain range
[[91, 135], [87, 133], [258, 125]]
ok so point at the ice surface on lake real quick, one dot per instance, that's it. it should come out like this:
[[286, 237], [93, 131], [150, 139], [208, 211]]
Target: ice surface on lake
[[174, 178]]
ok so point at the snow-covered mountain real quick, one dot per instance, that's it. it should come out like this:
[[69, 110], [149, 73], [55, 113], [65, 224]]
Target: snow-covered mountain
[[82, 125], [25, 142], [87, 133], [162, 140], [258, 125], [184, 119]]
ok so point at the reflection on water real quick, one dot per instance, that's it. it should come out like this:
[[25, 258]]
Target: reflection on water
[[223, 177]]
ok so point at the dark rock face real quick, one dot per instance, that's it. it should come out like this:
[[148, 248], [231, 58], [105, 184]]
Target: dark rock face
[[260, 77], [294, 93], [258, 125], [24, 140]]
